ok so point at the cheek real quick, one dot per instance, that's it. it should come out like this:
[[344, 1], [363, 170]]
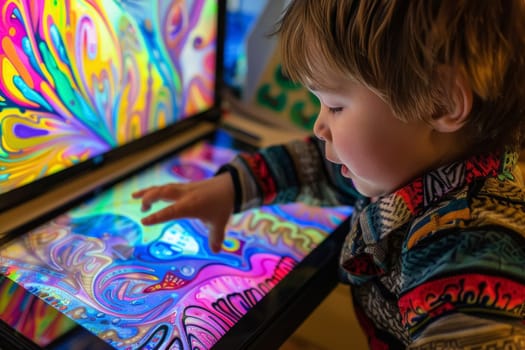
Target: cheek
[[369, 151]]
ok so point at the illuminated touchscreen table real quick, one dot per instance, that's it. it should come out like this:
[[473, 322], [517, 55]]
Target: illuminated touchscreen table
[[156, 287]]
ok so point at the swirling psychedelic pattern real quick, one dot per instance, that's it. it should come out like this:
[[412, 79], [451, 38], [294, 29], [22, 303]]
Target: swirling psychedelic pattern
[[161, 286], [79, 78]]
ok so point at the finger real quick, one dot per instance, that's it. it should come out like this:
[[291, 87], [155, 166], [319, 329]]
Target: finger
[[216, 240], [157, 193], [216, 236], [147, 195], [175, 211], [168, 213], [140, 193], [150, 196]]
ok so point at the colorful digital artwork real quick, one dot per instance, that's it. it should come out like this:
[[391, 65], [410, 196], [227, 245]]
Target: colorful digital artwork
[[30, 315], [79, 78], [160, 286]]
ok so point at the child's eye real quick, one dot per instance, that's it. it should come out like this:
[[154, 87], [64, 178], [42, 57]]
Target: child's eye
[[334, 110]]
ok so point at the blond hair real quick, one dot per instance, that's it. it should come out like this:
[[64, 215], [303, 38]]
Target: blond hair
[[395, 47]]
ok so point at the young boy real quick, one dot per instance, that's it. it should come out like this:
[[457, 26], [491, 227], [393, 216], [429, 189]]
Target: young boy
[[422, 112]]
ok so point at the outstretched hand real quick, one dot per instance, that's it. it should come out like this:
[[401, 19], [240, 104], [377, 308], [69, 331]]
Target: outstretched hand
[[210, 200]]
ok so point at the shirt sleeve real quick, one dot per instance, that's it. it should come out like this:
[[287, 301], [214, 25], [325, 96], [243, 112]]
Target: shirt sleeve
[[296, 171], [465, 289]]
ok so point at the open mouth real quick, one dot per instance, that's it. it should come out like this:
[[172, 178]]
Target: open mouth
[[345, 171]]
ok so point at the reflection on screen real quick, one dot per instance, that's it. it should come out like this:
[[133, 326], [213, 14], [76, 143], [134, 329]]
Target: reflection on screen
[[137, 286], [79, 78]]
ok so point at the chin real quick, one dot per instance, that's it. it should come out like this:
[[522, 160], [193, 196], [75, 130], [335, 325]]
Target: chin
[[368, 191]]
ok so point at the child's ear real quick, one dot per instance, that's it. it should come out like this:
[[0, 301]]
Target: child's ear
[[459, 105]]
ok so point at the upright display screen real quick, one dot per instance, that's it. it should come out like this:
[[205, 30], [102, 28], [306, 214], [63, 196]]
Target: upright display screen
[[81, 78], [160, 286]]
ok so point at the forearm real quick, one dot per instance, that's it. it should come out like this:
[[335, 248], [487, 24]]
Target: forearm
[[288, 173]]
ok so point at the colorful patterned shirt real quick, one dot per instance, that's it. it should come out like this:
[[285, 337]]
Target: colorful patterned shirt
[[439, 264]]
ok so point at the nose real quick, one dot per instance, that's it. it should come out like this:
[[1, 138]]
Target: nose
[[321, 129]]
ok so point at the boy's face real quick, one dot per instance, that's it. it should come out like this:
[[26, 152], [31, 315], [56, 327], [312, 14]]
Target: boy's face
[[377, 151]]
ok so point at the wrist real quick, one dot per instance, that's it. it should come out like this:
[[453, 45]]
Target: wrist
[[231, 178]]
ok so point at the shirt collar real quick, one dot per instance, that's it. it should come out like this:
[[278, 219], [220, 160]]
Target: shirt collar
[[433, 186], [366, 240]]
